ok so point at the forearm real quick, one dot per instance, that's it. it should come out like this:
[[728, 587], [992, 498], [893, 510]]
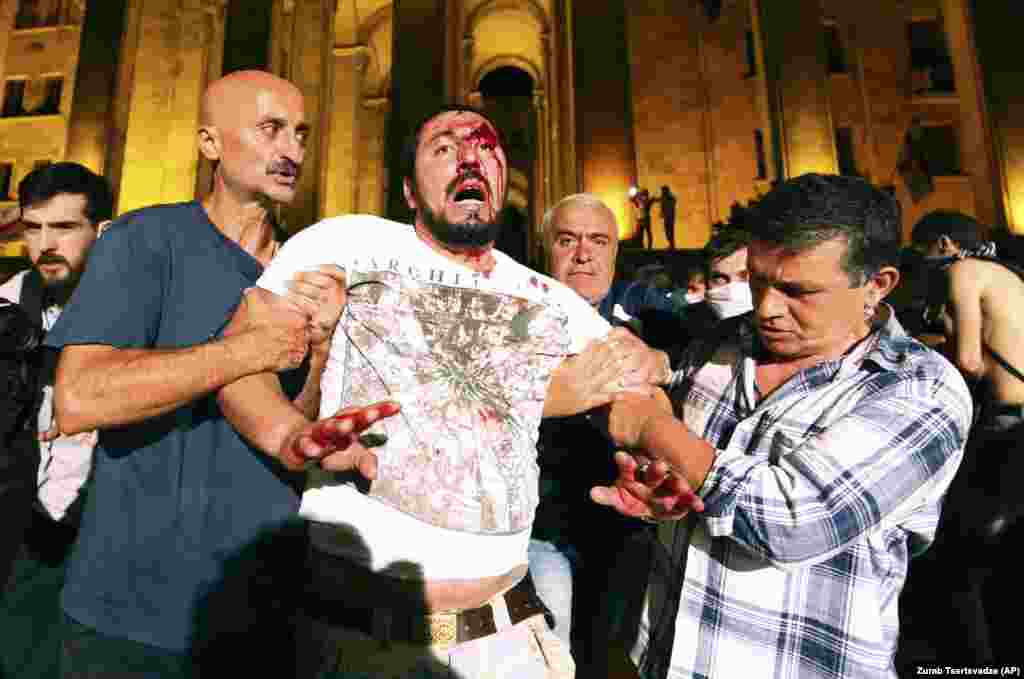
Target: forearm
[[260, 411], [667, 438], [559, 401], [592, 378], [101, 387], [308, 400]]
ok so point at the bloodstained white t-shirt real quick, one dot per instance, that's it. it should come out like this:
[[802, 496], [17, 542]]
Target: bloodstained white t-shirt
[[469, 358]]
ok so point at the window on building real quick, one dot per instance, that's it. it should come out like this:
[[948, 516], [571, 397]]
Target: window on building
[[939, 146], [14, 97], [844, 151], [36, 13], [53, 88], [751, 48], [6, 173], [762, 162], [929, 57], [835, 54], [28, 14]]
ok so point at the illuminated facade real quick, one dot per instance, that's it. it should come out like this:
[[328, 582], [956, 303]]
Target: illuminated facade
[[713, 99]]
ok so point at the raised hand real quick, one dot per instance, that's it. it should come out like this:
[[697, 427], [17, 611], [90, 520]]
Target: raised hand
[[334, 441]]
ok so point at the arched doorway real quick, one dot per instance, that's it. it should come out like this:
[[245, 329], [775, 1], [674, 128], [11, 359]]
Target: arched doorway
[[506, 94]]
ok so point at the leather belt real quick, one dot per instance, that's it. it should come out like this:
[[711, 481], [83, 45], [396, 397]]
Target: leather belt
[[456, 627], [334, 580]]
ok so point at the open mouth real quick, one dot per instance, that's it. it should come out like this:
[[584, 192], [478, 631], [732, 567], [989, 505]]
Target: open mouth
[[469, 193]]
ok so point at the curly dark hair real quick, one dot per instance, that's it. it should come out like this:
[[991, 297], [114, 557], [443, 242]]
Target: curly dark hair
[[805, 211]]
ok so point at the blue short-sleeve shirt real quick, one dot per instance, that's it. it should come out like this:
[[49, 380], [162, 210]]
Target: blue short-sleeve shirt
[[176, 496]]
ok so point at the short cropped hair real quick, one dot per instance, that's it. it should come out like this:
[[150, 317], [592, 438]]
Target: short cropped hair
[[723, 244], [412, 140], [43, 183], [583, 200], [811, 209], [963, 229]]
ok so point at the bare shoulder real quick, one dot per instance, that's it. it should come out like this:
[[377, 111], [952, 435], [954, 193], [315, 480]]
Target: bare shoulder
[[992, 279], [970, 272]]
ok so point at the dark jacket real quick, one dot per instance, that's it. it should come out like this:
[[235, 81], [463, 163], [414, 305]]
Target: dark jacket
[[22, 362]]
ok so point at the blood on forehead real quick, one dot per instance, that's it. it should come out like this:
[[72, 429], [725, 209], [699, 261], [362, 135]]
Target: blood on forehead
[[483, 134]]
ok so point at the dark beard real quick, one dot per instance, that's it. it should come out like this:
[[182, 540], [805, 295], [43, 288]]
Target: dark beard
[[471, 234], [59, 292]]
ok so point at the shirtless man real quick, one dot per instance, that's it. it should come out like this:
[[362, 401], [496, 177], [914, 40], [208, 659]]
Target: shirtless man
[[422, 572], [980, 301], [976, 301]]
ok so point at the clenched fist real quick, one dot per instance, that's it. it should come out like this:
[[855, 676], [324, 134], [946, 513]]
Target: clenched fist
[[320, 293], [274, 331]]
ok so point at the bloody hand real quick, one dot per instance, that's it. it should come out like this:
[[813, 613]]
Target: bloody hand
[[334, 441]]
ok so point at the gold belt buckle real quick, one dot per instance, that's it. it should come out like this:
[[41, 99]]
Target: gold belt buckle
[[441, 628]]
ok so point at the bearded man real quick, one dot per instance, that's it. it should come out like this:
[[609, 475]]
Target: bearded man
[[422, 571]]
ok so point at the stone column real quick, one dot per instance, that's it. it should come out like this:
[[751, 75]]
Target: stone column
[[418, 58], [542, 198], [552, 137], [8, 10], [975, 131], [1004, 83], [341, 160], [466, 84], [454, 28], [604, 136], [795, 76], [764, 95], [90, 121], [171, 68], [372, 183], [562, 88], [300, 51]]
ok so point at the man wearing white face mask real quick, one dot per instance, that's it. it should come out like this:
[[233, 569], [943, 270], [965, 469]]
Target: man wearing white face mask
[[725, 270]]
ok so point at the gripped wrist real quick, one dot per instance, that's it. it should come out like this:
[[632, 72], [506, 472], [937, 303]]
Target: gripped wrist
[[647, 429]]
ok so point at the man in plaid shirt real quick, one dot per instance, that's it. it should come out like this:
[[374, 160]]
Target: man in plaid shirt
[[818, 440]]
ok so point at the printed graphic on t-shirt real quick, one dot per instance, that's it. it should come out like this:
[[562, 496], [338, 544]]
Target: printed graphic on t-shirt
[[470, 368]]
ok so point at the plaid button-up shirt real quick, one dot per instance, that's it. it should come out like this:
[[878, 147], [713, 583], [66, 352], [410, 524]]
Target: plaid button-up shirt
[[818, 496]]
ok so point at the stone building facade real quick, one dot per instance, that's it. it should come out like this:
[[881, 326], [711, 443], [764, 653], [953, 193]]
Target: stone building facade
[[714, 99]]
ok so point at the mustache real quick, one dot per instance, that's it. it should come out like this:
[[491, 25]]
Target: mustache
[[52, 259], [284, 166], [469, 173]]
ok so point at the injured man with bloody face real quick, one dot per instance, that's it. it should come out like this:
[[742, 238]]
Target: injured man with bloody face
[[421, 505]]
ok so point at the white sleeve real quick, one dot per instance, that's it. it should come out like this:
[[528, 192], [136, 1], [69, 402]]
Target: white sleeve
[[308, 249]]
